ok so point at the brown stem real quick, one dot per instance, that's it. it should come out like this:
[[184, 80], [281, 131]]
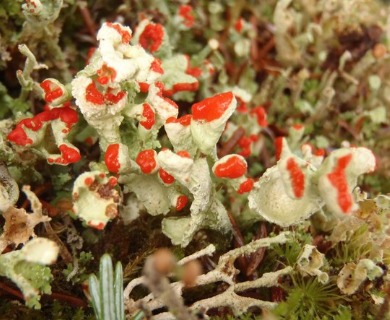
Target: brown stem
[[88, 21], [231, 143], [11, 291], [265, 158], [254, 48], [267, 48], [73, 301], [257, 257], [238, 241], [239, 71]]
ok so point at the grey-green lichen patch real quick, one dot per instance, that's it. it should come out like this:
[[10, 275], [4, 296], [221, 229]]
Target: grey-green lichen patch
[[26, 268], [95, 198], [270, 201]]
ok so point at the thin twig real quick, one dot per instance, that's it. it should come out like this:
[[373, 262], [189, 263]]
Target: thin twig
[[257, 257], [11, 291], [229, 145], [238, 242], [73, 301], [88, 21]]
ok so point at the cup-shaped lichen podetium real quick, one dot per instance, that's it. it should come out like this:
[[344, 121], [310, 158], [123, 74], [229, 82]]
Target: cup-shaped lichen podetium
[[270, 199], [95, 199]]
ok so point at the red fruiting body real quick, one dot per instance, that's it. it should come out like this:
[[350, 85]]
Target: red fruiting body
[[194, 71], [245, 152], [19, 136], [241, 105], [338, 180], [70, 155], [278, 147], [160, 86], [297, 126], [172, 120], [261, 116], [185, 11], [156, 66], [177, 87], [192, 86], [212, 108], [106, 74], [246, 186], [114, 98], [99, 226], [181, 202], [319, 152], [47, 107], [89, 141], [234, 167], [52, 90], [238, 25], [113, 181], [151, 37], [149, 116], [183, 154], [184, 120], [88, 181], [168, 93], [245, 142], [143, 87], [161, 92], [66, 114], [36, 122], [146, 160], [297, 178], [165, 176], [92, 94], [111, 158], [126, 36]]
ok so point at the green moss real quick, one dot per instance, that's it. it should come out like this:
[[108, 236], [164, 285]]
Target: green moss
[[357, 246], [39, 277], [309, 299]]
